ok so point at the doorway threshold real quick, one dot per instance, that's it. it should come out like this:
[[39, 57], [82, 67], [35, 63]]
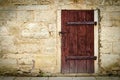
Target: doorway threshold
[[75, 75]]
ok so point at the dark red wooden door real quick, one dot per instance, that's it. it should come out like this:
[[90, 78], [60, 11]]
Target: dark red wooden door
[[77, 44]]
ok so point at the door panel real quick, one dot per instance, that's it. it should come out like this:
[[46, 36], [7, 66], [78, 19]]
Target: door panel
[[77, 41]]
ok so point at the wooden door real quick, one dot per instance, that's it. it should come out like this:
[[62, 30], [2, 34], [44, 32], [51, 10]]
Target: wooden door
[[77, 43]]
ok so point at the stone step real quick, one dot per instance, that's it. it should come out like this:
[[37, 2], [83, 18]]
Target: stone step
[[60, 78]]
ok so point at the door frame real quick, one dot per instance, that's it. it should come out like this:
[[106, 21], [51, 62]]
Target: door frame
[[96, 50]]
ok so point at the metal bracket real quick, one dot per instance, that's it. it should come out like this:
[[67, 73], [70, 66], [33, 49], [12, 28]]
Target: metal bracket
[[82, 23]]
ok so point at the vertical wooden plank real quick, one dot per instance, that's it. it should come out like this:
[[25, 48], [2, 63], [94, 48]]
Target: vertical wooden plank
[[64, 43], [81, 43], [72, 40], [90, 63], [90, 41]]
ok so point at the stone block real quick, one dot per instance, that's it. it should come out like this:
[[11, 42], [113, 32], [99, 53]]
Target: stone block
[[116, 23], [29, 48], [109, 59], [14, 27], [49, 69], [8, 49], [49, 42], [10, 56], [110, 18], [35, 30], [44, 70], [7, 15], [110, 23], [48, 46], [52, 27], [80, 1], [110, 34], [8, 62], [4, 31], [25, 68], [25, 15], [45, 61], [118, 73], [24, 58], [1, 78], [73, 6], [23, 2], [26, 64], [25, 40], [8, 8], [7, 44], [111, 8], [45, 2], [116, 2], [27, 2], [14, 23], [84, 78], [24, 61], [42, 34], [115, 78], [106, 2], [2, 23], [22, 78], [7, 40], [103, 78], [25, 55], [106, 23], [8, 78], [92, 2], [39, 78], [60, 78], [34, 7], [106, 48], [61, 2], [116, 47], [47, 16], [48, 50]]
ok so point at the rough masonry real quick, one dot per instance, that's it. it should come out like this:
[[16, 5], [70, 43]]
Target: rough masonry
[[30, 40]]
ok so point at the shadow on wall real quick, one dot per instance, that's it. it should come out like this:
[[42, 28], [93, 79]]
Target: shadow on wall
[[25, 2], [112, 70], [4, 2]]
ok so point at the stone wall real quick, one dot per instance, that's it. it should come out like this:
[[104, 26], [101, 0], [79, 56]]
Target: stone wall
[[30, 41], [110, 39]]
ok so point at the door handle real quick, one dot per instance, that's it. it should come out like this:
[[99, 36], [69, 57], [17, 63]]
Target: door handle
[[62, 33]]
